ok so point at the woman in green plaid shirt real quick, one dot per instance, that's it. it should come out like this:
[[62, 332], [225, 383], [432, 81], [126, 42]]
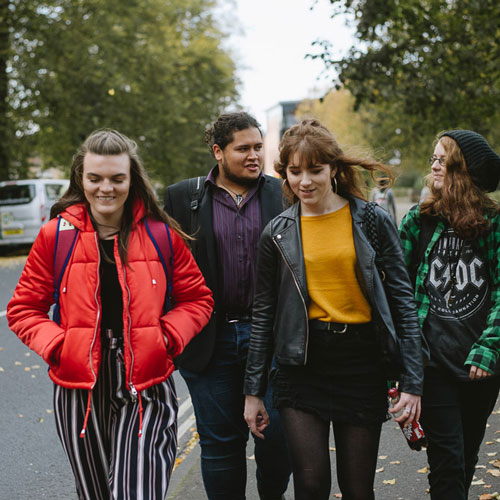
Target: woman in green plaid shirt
[[452, 249]]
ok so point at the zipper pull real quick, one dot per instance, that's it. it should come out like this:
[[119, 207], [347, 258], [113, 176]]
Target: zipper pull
[[133, 393]]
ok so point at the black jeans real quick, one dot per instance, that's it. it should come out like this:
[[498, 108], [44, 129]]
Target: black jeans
[[454, 417]]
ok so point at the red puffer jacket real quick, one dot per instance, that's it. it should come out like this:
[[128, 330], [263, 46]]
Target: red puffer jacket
[[151, 339]]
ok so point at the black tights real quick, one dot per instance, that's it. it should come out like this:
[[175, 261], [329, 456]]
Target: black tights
[[308, 442]]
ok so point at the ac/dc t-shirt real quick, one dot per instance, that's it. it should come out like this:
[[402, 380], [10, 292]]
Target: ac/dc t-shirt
[[458, 287]]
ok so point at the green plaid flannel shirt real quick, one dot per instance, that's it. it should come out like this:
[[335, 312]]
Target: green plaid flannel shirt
[[486, 350]]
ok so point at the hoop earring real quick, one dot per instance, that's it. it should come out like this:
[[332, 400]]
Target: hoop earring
[[336, 187]]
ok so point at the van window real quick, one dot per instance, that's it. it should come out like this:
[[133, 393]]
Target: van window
[[17, 194], [54, 191]]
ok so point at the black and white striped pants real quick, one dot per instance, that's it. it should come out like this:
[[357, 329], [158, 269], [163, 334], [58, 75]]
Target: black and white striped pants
[[111, 461]]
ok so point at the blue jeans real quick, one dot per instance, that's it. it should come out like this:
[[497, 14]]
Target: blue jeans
[[218, 401], [454, 418]]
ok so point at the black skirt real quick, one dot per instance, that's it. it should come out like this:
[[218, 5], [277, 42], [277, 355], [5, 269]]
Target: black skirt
[[343, 380]]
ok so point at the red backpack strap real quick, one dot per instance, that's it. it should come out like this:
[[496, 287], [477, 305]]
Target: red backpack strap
[[159, 232], [66, 235]]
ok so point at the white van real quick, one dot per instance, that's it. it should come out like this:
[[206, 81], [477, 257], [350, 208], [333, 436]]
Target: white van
[[25, 206]]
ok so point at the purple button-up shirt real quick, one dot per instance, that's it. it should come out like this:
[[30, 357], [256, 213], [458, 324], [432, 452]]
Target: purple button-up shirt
[[237, 232]]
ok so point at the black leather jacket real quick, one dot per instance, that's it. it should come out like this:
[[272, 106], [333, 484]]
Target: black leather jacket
[[280, 310]]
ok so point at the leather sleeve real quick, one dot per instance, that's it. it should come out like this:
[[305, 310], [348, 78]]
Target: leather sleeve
[[413, 347], [260, 351]]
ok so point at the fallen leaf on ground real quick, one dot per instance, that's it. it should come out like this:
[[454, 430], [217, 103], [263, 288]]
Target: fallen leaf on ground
[[389, 481], [491, 454], [494, 472], [479, 482], [489, 442], [486, 496], [20, 415], [27, 354], [1, 348], [27, 369], [338, 495], [425, 470], [382, 457], [496, 463], [332, 448], [252, 457], [395, 462], [17, 363], [380, 470], [1, 369]]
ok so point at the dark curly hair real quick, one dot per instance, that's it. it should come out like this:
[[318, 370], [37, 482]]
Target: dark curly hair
[[221, 131]]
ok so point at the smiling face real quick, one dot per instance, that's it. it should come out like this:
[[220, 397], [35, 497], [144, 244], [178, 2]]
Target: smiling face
[[311, 184], [241, 161], [438, 170], [106, 185]]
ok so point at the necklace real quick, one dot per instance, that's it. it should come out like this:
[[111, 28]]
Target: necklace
[[238, 197]]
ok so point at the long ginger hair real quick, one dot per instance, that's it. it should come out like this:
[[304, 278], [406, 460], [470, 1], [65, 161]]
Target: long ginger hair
[[460, 202]]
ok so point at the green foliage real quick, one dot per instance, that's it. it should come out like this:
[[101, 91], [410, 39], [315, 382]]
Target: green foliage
[[422, 66], [153, 69]]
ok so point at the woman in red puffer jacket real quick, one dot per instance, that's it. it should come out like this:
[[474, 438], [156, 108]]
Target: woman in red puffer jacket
[[111, 354]]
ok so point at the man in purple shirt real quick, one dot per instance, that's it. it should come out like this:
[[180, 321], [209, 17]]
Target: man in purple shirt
[[226, 212]]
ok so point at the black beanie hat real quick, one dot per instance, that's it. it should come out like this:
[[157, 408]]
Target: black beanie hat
[[483, 164]]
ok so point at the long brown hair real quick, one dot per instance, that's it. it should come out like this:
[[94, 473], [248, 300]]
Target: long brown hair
[[108, 142], [460, 202], [315, 144]]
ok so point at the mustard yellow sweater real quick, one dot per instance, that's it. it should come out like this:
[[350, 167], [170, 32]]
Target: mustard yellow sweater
[[330, 261]]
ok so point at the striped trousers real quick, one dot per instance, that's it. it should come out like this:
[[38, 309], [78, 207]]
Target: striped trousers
[[111, 461]]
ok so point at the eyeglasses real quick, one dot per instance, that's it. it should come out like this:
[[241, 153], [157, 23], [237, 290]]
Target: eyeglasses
[[441, 161]]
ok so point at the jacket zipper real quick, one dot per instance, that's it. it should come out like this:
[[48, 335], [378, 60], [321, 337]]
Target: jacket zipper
[[301, 296], [96, 297], [133, 390]]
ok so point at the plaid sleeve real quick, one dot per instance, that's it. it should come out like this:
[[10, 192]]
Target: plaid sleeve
[[486, 350], [409, 230]]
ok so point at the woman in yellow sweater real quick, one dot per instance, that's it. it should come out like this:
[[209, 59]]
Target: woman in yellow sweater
[[326, 314]]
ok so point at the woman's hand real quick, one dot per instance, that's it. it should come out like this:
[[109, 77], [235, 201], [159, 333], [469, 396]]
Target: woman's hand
[[256, 415], [477, 373], [410, 405]]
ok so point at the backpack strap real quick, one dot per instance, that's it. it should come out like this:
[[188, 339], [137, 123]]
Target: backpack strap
[[159, 232], [66, 235], [196, 187], [372, 234]]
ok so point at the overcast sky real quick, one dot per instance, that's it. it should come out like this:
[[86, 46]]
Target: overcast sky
[[270, 51]]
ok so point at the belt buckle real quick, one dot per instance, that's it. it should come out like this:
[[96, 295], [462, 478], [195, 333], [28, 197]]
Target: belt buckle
[[338, 331]]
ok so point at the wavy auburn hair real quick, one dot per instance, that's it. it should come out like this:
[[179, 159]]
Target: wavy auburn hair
[[316, 145], [460, 202], [108, 142]]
